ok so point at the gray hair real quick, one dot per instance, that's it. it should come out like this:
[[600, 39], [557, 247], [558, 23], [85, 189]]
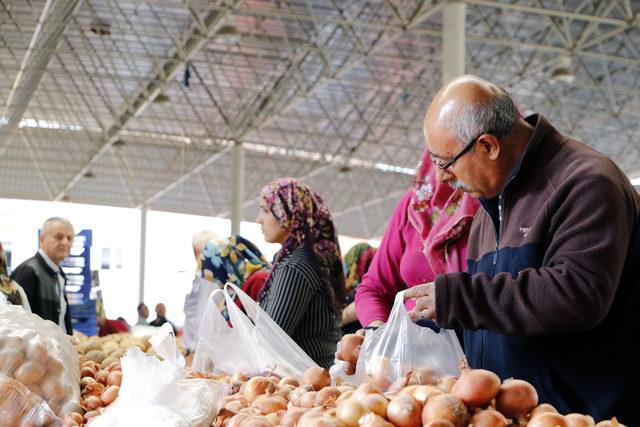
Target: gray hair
[[497, 116], [201, 238], [49, 221]]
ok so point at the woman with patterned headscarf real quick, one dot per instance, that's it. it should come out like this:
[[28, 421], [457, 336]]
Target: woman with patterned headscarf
[[355, 264], [10, 289], [235, 260], [305, 292]]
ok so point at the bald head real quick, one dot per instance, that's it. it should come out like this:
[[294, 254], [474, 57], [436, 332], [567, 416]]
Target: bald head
[[469, 106], [160, 310], [474, 133]]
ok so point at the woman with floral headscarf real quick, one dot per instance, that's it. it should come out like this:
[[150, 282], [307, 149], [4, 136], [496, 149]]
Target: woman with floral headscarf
[[235, 260], [426, 235], [305, 292]]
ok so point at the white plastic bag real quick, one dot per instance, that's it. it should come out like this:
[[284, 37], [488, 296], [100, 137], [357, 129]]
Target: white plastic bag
[[155, 392], [254, 345], [393, 351], [19, 407], [39, 355]]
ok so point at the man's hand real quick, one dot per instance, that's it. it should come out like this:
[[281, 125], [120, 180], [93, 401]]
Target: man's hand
[[425, 296]]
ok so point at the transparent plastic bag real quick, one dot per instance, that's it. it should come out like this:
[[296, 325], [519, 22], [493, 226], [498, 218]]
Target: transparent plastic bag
[[38, 354], [392, 352], [19, 407], [155, 392], [254, 345]]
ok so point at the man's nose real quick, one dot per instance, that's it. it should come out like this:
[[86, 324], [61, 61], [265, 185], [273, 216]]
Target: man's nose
[[443, 175]]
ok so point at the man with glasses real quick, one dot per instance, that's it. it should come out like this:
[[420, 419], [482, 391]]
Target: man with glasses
[[553, 289]]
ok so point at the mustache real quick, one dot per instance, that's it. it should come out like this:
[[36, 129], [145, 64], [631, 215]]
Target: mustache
[[458, 185]]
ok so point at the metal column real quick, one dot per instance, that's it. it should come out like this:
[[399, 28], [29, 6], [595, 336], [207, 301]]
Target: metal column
[[453, 40], [237, 186], [143, 251]]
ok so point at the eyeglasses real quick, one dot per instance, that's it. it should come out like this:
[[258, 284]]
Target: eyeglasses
[[465, 150]]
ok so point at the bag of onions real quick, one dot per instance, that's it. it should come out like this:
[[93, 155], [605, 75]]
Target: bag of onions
[[40, 356], [401, 352], [157, 393], [253, 345]]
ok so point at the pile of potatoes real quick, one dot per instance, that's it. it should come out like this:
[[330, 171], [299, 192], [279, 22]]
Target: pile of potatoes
[[109, 349]]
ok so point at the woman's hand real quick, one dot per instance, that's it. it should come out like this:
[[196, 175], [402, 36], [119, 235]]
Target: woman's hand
[[425, 297]]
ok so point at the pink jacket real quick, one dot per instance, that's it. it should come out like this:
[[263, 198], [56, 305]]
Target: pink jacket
[[400, 264]]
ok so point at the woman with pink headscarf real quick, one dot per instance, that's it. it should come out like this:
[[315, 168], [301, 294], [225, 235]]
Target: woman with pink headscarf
[[426, 235]]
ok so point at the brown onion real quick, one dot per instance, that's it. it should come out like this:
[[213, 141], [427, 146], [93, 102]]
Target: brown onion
[[114, 378], [613, 422], [308, 400], [290, 381], [268, 404], [439, 423], [309, 415], [404, 411], [239, 376], [87, 372], [350, 348], [364, 389], [324, 421], [541, 409], [548, 419], [424, 392], [291, 417], [373, 420], [275, 418], [235, 406], [350, 411], [317, 377], [284, 390], [488, 418], [446, 383], [296, 395], [91, 402], [580, 420], [110, 394], [476, 387], [101, 376], [424, 376], [345, 395], [376, 403], [255, 387], [516, 398], [447, 407], [327, 397]]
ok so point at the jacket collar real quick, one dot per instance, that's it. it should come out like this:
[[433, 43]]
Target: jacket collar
[[45, 265]]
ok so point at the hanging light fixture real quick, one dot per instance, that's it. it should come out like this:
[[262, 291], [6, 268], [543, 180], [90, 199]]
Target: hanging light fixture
[[229, 33], [563, 73]]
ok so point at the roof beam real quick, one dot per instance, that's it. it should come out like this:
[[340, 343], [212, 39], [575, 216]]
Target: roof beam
[[53, 22], [193, 40], [553, 12], [261, 114]]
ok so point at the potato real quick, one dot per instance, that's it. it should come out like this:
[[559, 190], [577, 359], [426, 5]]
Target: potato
[[96, 355]]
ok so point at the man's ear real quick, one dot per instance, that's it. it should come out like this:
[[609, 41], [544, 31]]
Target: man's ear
[[490, 145]]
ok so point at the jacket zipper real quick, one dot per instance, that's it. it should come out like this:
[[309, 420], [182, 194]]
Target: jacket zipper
[[497, 231]]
